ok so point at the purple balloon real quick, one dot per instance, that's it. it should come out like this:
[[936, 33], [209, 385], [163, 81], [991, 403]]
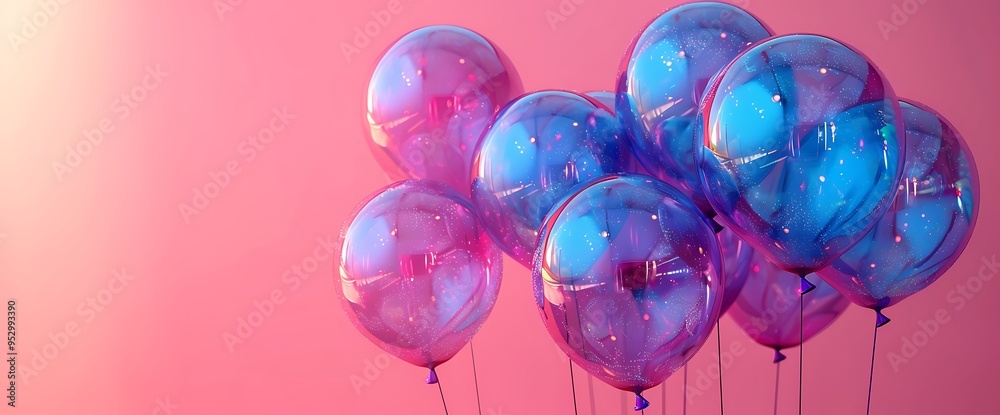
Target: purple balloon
[[927, 227], [418, 274], [736, 257], [768, 307], [627, 277], [429, 100]]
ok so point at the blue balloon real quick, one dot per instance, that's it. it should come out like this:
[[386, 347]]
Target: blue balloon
[[534, 152], [928, 226], [663, 76], [802, 149]]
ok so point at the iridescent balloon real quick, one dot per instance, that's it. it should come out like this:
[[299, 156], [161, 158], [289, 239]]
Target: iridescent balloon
[[768, 307], [628, 280], [604, 97], [802, 149], [663, 76], [429, 100], [736, 257], [418, 274], [538, 148], [927, 227]]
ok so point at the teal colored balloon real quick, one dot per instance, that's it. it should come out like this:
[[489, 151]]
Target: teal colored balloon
[[802, 149]]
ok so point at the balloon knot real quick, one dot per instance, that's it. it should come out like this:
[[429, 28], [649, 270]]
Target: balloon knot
[[640, 402], [432, 377], [880, 319], [778, 356], [806, 286]]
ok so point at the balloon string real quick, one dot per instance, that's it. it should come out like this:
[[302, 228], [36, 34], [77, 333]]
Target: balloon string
[[663, 398], [590, 388], [443, 403], [572, 382], [718, 337], [801, 346], [777, 378], [475, 378], [685, 389], [871, 371]]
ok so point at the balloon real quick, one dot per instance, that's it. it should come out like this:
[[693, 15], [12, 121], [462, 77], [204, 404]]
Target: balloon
[[429, 100], [538, 148], [736, 257], [928, 226], [418, 274], [663, 76], [628, 280], [768, 307], [604, 97], [802, 149]]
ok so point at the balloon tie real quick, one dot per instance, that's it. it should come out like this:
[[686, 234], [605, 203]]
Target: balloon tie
[[778, 356], [777, 378], [718, 337], [572, 382], [801, 346], [475, 378], [640, 403], [880, 319], [871, 370]]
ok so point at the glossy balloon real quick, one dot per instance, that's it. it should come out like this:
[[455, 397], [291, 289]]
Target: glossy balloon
[[628, 279], [418, 274], [736, 257], [429, 100], [604, 97], [928, 226], [802, 149], [536, 150], [768, 307], [663, 76]]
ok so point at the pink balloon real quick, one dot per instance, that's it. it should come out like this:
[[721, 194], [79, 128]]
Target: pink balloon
[[418, 274], [767, 308], [431, 96]]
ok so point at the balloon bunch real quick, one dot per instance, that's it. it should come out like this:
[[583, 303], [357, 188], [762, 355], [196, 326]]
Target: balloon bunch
[[731, 167]]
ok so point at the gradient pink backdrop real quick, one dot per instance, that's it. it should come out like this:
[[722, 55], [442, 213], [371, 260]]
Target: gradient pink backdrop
[[158, 345]]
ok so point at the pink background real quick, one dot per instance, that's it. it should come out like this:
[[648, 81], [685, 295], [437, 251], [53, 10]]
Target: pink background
[[158, 344]]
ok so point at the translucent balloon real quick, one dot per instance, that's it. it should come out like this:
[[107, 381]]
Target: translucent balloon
[[418, 274], [663, 76], [604, 97], [768, 307], [628, 280], [429, 100], [927, 227], [736, 257], [802, 149], [538, 148]]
